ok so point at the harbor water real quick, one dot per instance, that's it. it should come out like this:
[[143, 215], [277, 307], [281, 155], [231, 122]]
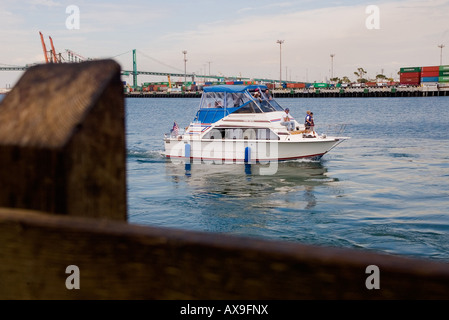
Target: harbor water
[[385, 190]]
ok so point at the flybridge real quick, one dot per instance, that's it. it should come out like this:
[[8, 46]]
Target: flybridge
[[222, 100]]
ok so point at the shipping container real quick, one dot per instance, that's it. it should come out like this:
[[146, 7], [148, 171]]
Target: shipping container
[[320, 85], [429, 79], [296, 85], [410, 69], [410, 80], [426, 69], [238, 82], [443, 79], [411, 74], [444, 73], [371, 84], [444, 68], [426, 74]]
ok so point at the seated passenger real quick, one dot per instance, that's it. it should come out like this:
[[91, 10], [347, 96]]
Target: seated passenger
[[288, 121], [257, 95], [268, 95]]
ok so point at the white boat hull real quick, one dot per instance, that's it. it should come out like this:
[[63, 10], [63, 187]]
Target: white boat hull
[[248, 150]]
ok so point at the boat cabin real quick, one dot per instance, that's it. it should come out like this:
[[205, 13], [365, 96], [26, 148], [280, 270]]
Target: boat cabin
[[222, 100]]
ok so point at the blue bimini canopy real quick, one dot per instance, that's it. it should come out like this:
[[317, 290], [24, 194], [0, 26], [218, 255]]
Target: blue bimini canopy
[[233, 88], [219, 101]]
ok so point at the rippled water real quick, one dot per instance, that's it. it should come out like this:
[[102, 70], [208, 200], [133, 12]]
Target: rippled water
[[386, 189]]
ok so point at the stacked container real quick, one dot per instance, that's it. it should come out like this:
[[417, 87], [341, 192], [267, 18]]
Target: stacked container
[[410, 76], [444, 74], [296, 85], [430, 75]]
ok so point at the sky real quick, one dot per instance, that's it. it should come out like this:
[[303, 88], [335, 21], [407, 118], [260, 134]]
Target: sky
[[231, 38]]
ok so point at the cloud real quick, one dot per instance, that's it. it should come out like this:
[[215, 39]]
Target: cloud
[[239, 40], [248, 44], [46, 3]]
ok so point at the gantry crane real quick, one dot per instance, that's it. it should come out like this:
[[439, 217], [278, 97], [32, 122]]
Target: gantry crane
[[53, 57], [44, 47]]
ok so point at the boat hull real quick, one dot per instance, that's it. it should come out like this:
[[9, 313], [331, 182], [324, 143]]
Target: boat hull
[[244, 151]]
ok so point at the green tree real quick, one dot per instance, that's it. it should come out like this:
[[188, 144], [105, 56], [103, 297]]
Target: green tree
[[360, 73], [336, 80]]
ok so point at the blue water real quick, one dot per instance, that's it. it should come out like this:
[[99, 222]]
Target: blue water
[[385, 190]]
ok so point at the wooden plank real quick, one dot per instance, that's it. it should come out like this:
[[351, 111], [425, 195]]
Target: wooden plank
[[117, 260], [62, 141]]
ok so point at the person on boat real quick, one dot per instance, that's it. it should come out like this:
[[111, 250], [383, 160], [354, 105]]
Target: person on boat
[[287, 120], [307, 121], [257, 95], [268, 94], [312, 124]]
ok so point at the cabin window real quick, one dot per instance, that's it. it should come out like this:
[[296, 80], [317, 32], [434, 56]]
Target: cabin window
[[237, 133], [235, 99], [250, 107], [214, 134], [234, 134], [266, 134], [212, 100]]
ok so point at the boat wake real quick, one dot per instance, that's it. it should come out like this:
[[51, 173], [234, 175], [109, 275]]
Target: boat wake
[[146, 155]]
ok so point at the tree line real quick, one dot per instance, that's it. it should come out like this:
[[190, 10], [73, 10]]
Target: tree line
[[361, 77]]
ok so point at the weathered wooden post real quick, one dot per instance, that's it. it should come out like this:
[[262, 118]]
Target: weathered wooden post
[[62, 143]]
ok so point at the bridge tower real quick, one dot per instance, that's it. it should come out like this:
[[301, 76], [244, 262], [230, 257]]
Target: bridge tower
[[134, 70]]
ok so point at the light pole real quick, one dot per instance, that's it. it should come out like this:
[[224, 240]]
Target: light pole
[[209, 68], [332, 65], [185, 66], [280, 60], [441, 46]]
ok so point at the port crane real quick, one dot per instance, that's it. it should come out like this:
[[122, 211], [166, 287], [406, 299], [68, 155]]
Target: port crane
[[50, 56]]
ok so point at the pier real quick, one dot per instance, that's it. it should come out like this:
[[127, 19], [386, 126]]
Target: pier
[[383, 92]]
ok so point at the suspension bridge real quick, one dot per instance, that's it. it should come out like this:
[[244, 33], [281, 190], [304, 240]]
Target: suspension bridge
[[51, 56]]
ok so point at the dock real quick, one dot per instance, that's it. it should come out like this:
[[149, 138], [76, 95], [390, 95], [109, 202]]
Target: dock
[[381, 92]]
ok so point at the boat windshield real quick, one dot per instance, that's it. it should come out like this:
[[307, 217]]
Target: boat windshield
[[267, 102], [223, 99], [256, 100]]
